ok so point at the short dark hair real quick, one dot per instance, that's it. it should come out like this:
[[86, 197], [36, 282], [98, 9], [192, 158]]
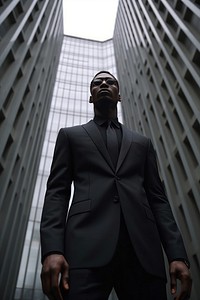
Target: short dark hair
[[103, 72]]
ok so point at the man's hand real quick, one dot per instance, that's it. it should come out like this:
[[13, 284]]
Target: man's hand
[[178, 270], [54, 266]]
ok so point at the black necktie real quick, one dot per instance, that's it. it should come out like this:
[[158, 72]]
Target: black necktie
[[112, 143]]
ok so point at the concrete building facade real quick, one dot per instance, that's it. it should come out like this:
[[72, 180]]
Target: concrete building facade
[[157, 51], [31, 33]]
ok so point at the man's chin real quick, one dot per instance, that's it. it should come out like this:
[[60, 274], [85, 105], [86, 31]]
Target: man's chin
[[105, 102]]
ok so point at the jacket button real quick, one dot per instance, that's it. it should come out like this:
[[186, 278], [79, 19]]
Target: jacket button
[[116, 199]]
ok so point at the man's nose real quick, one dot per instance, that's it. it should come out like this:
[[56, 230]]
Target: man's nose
[[104, 83]]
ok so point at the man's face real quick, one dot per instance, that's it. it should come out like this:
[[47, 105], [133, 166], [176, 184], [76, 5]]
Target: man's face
[[104, 88]]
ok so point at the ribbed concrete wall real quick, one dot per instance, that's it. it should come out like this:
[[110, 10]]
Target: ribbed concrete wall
[[31, 33], [157, 49]]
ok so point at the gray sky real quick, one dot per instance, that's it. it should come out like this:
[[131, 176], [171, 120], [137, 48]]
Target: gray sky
[[92, 19]]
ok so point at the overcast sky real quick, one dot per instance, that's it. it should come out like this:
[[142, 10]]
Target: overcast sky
[[92, 19]]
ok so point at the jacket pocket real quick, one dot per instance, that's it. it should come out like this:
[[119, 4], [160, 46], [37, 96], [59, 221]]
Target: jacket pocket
[[79, 207]]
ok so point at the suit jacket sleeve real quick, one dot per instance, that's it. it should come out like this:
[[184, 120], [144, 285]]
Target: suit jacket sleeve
[[57, 198], [169, 233]]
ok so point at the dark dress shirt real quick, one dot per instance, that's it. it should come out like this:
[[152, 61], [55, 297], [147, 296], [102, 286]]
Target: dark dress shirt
[[102, 125]]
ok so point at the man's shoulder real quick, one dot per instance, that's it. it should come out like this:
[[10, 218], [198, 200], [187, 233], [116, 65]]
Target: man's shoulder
[[75, 127], [72, 129]]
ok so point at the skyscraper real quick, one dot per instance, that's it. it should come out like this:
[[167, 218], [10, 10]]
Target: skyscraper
[[79, 61], [31, 34], [157, 50]]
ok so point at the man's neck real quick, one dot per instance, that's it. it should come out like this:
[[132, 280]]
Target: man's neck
[[108, 115]]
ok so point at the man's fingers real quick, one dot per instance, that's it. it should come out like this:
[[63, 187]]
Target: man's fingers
[[173, 283], [65, 276], [54, 275], [55, 289], [65, 279], [178, 270], [186, 286], [50, 284], [46, 282]]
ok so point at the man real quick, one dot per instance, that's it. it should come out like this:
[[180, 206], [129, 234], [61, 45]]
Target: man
[[119, 214]]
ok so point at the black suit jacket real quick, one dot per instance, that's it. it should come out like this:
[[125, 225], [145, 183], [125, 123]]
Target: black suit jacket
[[89, 236]]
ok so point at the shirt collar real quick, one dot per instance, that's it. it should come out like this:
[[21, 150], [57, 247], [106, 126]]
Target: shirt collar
[[100, 121]]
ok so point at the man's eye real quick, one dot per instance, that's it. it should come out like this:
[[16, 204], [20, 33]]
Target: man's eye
[[110, 81], [97, 81]]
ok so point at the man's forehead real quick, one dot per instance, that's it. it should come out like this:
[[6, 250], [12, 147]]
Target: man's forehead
[[104, 75]]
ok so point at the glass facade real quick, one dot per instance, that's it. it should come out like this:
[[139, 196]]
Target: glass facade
[[79, 61], [157, 51]]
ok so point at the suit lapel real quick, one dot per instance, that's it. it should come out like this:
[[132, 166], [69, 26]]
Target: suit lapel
[[126, 143], [96, 137]]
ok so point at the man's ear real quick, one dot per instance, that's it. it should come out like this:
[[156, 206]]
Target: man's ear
[[90, 99], [119, 98]]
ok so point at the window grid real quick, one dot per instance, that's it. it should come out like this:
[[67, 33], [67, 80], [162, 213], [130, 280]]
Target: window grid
[[70, 106]]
